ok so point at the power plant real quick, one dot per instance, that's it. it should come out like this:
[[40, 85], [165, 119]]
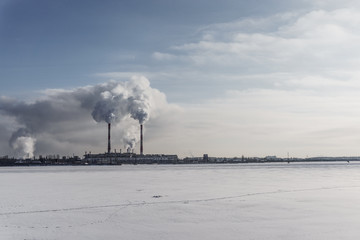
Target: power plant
[[141, 139], [128, 157]]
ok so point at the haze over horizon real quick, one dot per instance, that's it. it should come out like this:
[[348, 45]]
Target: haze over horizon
[[226, 78]]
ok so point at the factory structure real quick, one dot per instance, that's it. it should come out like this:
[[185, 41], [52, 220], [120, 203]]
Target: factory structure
[[128, 157], [114, 158]]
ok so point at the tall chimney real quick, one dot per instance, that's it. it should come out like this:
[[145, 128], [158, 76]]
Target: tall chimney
[[141, 140], [109, 144]]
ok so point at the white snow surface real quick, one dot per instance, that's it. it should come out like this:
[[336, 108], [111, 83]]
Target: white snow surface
[[242, 201]]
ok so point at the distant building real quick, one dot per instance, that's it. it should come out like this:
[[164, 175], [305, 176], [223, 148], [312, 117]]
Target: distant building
[[129, 158]]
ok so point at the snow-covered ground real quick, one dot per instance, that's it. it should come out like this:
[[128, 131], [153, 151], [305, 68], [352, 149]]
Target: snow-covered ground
[[244, 201]]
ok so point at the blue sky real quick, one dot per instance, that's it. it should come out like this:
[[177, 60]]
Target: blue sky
[[253, 78], [62, 44]]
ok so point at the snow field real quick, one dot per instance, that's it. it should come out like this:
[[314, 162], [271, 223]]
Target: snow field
[[244, 201]]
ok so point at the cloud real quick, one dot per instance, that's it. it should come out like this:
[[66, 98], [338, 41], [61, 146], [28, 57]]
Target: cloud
[[325, 38], [262, 122], [163, 56], [287, 82], [272, 52]]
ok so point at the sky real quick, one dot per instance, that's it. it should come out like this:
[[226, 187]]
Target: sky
[[227, 78]]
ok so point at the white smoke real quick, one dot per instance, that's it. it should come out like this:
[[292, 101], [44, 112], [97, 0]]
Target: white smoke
[[61, 113], [22, 142], [25, 146], [128, 99], [131, 137]]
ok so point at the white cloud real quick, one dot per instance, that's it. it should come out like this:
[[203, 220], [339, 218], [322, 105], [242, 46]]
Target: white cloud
[[316, 41], [163, 56], [292, 84], [263, 122]]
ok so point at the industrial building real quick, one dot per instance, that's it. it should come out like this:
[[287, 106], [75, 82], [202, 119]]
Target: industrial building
[[114, 158]]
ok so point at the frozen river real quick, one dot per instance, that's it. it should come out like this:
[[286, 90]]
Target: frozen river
[[244, 201]]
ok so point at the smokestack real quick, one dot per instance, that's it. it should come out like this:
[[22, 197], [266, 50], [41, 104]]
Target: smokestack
[[141, 140], [109, 144]]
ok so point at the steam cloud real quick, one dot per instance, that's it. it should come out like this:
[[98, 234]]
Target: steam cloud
[[130, 98], [131, 138], [110, 102], [23, 143]]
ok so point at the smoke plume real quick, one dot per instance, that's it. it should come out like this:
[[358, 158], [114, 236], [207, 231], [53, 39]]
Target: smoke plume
[[131, 137], [60, 113], [131, 98], [23, 143]]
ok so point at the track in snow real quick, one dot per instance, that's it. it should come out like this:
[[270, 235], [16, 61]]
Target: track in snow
[[174, 201]]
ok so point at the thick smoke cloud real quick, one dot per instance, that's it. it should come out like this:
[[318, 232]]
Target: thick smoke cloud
[[60, 112], [130, 98]]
